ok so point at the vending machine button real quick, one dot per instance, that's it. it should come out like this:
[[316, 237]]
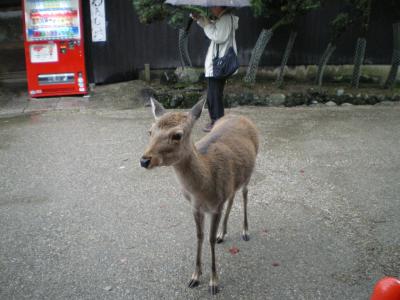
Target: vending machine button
[[71, 44]]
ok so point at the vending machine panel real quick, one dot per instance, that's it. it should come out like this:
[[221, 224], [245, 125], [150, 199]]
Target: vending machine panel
[[54, 47]]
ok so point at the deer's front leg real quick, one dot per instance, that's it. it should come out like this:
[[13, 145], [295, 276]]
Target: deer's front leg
[[199, 219], [215, 218]]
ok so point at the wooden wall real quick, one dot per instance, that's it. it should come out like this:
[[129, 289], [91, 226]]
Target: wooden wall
[[131, 44]]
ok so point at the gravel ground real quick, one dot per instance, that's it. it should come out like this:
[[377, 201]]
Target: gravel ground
[[79, 219]]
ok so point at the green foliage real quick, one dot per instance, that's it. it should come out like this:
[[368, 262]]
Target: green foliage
[[287, 11], [266, 8], [339, 25], [150, 11], [394, 9], [356, 12]]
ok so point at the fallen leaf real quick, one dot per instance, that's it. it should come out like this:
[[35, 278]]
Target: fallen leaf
[[234, 250], [276, 264], [302, 171], [35, 118]]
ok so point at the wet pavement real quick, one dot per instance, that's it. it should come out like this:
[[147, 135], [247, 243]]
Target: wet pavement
[[79, 218], [15, 101]]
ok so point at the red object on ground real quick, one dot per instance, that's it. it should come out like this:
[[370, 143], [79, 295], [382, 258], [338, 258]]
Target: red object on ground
[[388, 288], [276, 264], [234, 250]]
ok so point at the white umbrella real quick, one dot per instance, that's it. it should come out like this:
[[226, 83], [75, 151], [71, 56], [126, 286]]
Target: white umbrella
[[208, 3]]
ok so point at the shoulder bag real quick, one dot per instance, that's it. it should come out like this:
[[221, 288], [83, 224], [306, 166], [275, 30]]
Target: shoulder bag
[[225, 66]]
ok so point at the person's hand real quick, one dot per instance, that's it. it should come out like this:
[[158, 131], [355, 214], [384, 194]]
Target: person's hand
[[194, 16]]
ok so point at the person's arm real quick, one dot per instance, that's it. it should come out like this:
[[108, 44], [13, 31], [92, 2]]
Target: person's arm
[[218, 31], [201, 20]]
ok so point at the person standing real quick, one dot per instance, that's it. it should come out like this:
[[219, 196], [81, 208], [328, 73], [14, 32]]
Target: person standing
[[221, 32]]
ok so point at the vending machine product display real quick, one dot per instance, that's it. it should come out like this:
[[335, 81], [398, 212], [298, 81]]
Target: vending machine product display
[[54, 51]]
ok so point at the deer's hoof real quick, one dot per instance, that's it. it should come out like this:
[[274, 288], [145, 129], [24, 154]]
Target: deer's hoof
[[213, 289], [245, 237], [220, 240], [193, 283]]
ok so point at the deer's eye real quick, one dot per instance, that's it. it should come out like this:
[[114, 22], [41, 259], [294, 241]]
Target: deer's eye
[[177, 136]]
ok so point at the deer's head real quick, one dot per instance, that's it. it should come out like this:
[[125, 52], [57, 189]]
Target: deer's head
[[169, 135]]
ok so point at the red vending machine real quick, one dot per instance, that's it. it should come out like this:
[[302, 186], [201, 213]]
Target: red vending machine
[[54, 52]]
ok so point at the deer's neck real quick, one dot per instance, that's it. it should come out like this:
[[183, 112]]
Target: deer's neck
[[193, 171]]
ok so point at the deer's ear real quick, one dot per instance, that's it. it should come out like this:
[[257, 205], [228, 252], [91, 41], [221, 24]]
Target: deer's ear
[[197, 109], [157, 109]]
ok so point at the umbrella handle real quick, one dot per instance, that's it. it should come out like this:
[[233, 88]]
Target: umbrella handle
[[189, 23]]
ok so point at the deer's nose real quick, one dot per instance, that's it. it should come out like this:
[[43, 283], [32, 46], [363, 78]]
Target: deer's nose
[[145, 162]]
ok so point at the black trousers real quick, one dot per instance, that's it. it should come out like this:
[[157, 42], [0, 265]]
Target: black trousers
[[215, 95]]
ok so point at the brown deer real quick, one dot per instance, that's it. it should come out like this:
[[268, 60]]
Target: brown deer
[[210, 171]]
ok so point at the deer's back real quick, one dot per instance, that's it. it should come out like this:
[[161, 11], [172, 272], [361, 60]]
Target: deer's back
[[230, 150], [232, 131]]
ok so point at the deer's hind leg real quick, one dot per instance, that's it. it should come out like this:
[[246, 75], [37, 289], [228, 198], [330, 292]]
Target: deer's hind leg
[[223, 231], [245, 234]]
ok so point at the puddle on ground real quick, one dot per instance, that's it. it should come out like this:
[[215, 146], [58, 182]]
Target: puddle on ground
[[22, 200], [10, 123], [28, 118]]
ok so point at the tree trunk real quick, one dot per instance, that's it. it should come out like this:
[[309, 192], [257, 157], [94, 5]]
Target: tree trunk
[[183, 45], [285, 58], [391, 79], [358, 61], [256, 54], [323, 62]]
